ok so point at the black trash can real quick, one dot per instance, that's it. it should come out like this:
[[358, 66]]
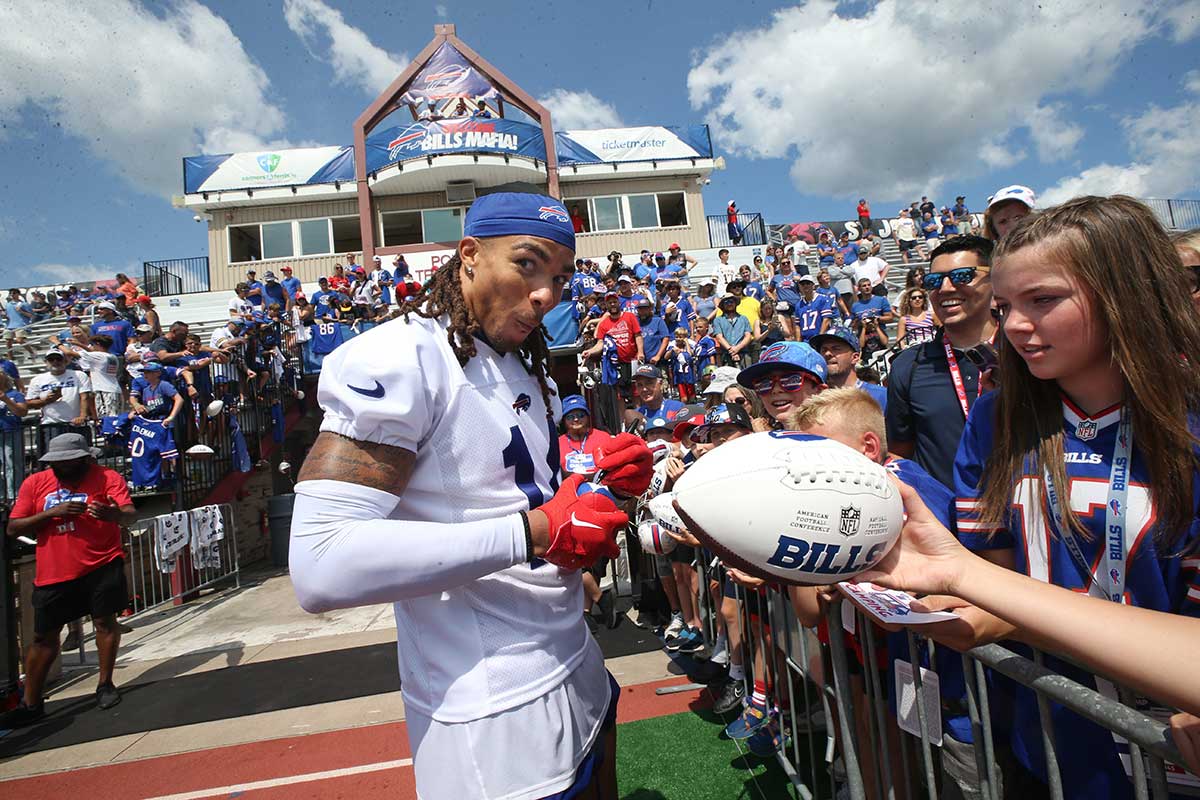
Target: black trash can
[[279, 523]]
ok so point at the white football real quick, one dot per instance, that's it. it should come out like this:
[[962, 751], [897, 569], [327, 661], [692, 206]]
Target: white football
[[215, 408], [654, 539], [791, 507], [664, 512]]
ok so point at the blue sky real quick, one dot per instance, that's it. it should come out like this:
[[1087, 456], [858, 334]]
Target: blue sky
[[812, 105]]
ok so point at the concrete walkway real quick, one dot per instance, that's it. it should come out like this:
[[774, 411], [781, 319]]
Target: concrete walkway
[[256, 623]]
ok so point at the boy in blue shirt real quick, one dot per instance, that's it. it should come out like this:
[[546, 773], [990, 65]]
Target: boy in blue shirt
[[705, 349], [813, 312], [682, 359]]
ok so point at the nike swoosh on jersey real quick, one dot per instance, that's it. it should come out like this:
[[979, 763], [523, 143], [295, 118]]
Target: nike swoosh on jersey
[[577, 522], [376, 393]]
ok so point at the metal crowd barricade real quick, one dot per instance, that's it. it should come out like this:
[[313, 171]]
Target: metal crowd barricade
[[151, 586], [862, 754]]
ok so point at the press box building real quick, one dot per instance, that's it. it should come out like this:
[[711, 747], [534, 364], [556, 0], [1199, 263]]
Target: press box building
[[451, 127]]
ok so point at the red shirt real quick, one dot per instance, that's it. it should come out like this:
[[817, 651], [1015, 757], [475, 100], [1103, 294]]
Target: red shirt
[[68, 547], [340, 282], [581, 457], [624, 331], [864, 210]]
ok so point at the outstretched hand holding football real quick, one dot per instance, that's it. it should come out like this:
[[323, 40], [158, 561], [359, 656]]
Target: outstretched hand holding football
[[926, 559]]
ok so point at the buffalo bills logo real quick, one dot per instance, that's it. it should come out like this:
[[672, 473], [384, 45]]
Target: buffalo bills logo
[[445, 77], [522, 403], [773, 353], [553, 212], [408, 139], [1114, 574], [1114, 505]]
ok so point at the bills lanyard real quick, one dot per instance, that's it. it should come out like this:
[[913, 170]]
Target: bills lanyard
[[1112, 557], [956, 375]]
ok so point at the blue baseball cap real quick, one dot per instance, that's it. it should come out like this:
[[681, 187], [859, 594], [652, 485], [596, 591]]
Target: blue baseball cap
[[784, 356], [840, 332], [516, 213], [575, 402], [152, 366]]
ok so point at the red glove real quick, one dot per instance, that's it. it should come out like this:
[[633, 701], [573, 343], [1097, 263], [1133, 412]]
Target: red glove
[[627, 464], [582, 528]]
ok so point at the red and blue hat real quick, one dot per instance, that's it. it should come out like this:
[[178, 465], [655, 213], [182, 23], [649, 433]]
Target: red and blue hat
[[785, 357]]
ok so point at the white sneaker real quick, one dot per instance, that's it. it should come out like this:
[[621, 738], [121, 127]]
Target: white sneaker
[[676, 626], [720, 651]]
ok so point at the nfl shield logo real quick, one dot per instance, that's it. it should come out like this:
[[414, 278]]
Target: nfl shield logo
[[1086, 430], [850, 519]]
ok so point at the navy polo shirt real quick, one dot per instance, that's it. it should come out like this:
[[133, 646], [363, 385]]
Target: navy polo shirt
[[922, 406]]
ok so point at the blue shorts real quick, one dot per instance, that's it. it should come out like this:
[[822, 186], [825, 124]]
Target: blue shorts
[[595, 758]]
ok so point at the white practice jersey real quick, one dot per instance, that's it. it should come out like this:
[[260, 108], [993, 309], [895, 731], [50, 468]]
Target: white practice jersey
[[485, 448]]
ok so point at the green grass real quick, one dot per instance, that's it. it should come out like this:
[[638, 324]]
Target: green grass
[[685, 757]]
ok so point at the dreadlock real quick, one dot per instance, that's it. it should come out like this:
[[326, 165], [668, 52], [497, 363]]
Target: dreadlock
[[442, 295]]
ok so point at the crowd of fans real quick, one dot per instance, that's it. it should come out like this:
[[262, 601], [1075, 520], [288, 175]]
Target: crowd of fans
[[996, 391]]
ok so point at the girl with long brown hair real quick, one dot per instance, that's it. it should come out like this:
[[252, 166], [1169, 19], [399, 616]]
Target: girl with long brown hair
[[1081, 470]]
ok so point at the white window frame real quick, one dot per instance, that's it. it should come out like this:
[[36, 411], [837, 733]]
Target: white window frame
[[421, 213], [625, 211], [629, 210], [622, 210], [296, 248]]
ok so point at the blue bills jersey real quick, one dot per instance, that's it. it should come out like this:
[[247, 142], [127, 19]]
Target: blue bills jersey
[[683, 365], [327, 337], [810, 314], [704, 351], [1088, 756], [150, 444], [609, 362]]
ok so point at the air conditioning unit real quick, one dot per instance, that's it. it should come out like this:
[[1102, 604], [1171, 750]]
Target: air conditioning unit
[[460, 192]]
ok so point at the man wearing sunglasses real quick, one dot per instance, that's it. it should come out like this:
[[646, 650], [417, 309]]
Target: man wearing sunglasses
[[932, 386], [787, 374]]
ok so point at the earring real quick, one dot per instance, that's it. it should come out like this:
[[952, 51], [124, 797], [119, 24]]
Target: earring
[[470, 272]]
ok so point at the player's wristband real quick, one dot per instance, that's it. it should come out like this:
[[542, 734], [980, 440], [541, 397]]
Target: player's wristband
[[528, 537]]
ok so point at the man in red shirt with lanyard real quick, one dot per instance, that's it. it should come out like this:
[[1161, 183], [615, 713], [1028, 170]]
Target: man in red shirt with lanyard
[[932, 386], [75, 509]]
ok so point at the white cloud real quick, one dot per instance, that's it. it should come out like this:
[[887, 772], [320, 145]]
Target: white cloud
[[355, 61], [1054, 137], [952, 90], [579, 111], [1165, 152], [49, 274], [441, 10], [139, 90]]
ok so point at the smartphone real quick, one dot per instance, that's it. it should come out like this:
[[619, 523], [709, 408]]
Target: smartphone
[[983, 356]]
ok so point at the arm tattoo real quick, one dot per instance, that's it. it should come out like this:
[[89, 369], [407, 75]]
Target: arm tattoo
[[378, 466]]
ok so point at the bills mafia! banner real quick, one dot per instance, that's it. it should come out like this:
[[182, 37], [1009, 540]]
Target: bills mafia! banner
[[465, 135], [412, 140]]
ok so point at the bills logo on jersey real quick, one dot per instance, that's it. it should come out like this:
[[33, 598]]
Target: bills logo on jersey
[[1086, 430], [851, 517], [553, 212], [1115, 506], [522, 403]]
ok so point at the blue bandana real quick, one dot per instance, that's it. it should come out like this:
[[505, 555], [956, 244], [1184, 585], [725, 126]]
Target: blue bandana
[[513, 214]]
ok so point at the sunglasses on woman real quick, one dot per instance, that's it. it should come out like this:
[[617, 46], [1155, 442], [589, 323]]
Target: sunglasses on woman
[[787, 381], [916, 297], [933, 281]]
